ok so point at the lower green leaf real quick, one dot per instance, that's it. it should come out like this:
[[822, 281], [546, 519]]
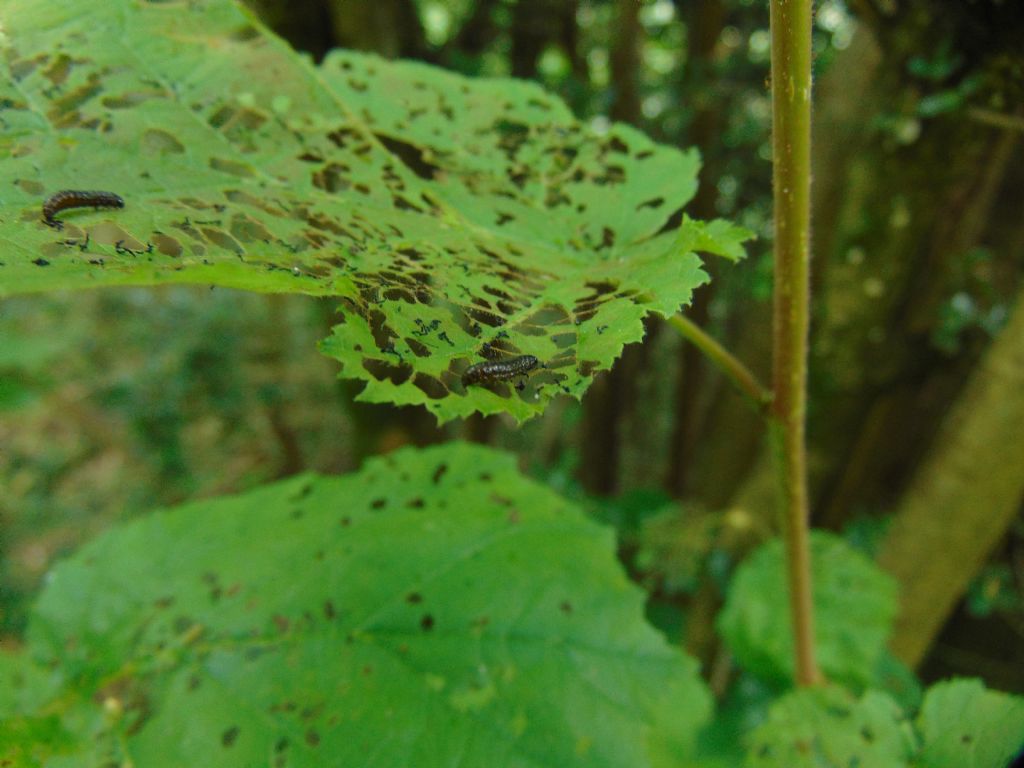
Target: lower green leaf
[[854, 606], [963, 725], [828, 728], [434, 609]]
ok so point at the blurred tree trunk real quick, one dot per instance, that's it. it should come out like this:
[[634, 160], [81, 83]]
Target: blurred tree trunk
[[306, 24], [611, 400], [474, 37], [963, 497], [532, 25], [896, 215], [625, 62], [391, 28], [716, 434]]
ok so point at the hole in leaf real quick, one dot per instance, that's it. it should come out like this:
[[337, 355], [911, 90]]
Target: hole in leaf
[[430, 386], [654, 202], [412, 157], [381, 370]]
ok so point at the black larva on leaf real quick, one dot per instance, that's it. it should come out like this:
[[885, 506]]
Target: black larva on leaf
[[76, 198], [499, 370]]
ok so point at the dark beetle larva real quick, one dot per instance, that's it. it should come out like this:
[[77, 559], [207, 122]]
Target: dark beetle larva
[[75, 198], [499, 370]]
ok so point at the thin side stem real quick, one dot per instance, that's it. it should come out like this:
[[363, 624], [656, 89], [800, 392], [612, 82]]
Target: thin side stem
[[740, 376], [997, 119], [791, 150]]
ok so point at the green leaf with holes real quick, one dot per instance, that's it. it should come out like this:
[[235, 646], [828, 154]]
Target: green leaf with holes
[[434, 609], [456, 220], [827, 727], [854, 607], [963, 725]]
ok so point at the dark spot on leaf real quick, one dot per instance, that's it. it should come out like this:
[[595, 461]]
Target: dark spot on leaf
[[223, 239], [413, 598], [416, 503], [345, 522], [439, 473], [418, 349], [311, 713], [412, 157], [867, 734], [378, 503], [966, 738], [565, 606], [427, 622], [367, 670], [281, 622], [232, 167], [41, 262], [194, 682], [164, 602], [244, 33], [229, 736], [159, 142], [329, 612], [654, 202], [312, 738], [618, 145], [168, 246]]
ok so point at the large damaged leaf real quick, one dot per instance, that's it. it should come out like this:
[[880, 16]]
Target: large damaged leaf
[[456, 220]]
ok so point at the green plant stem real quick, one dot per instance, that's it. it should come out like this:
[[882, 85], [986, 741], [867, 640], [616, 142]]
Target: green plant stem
[[738, 373], [791, 152]]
